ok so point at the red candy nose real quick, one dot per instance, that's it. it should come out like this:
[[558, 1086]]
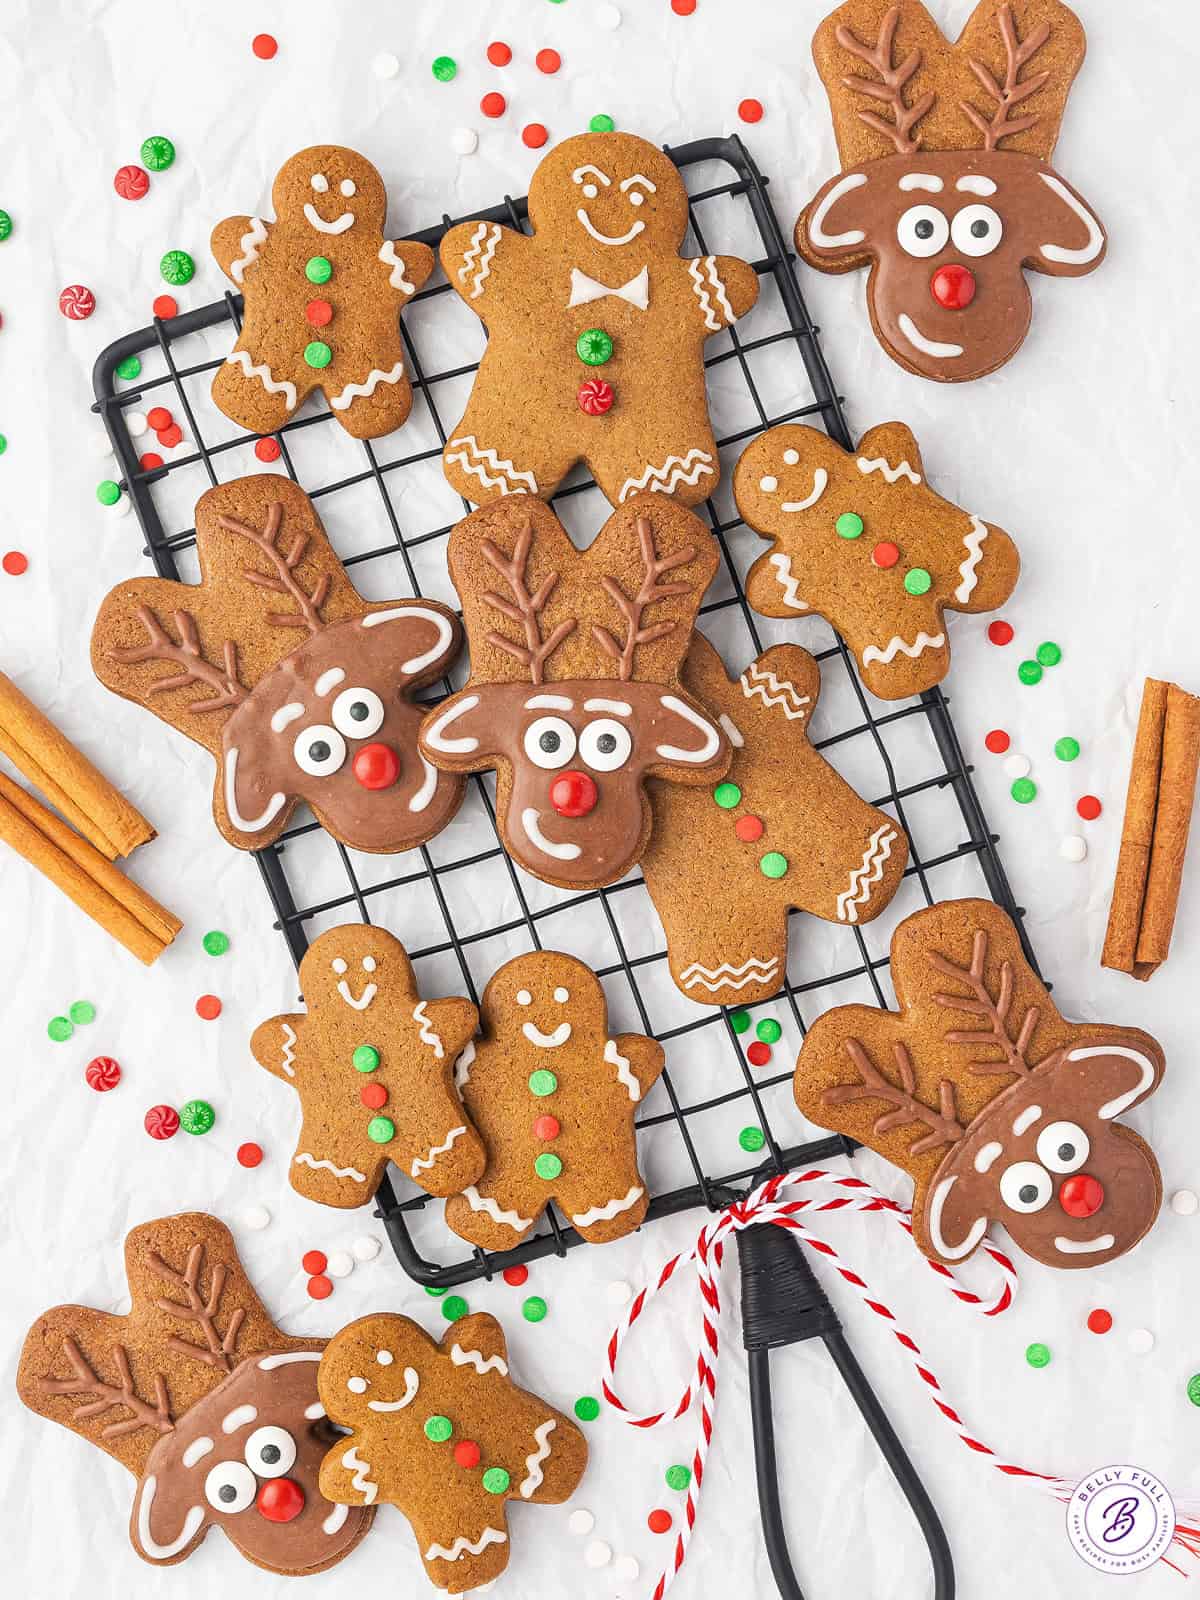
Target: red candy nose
[[573, 794], [376, 766], [1081, 1195], [280, 1499], [953, 287]]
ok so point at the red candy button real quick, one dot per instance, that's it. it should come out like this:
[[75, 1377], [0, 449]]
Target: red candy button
[[595, 397], [498, 53], [131, 183], [165, 305], [953, 286], [280, 1499], [264, 46], [374, 1096], [319, 1287], [15, 563], [376, 766], [267, 449], [997, 741], [314, 1261], [466, 1451], [660, 1521], [159, 417], [208, 1007], [161, 1122], [1000, 632], [318, 312], [170, 437], [885, 554], [548, 60], [750, 111], [76, 302], [573, 794], [534, 135], [546, 1127], [151, 461], [515, 1276], [249, 1154], [748, 829], [102, 1073], [1081, 1195], [493, 104], [1099, 1321], [758, 1054], [1088, 807]]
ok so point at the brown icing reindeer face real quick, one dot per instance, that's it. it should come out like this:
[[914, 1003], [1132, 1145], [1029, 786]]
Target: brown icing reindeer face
[[307, 697], [946, 188], [201, 1397], [574, 691], [1000, 1109]]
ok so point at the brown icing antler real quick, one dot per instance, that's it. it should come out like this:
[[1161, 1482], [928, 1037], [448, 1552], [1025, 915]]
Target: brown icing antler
[[527, 609], [284, 582], [109, 1395], [890, 90], [227, 690], [943, 1122], [981, 1004], [195, 1308], [648, 592], [1012, 92]]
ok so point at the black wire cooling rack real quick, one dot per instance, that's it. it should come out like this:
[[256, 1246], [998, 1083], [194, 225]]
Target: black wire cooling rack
[[737, 200]]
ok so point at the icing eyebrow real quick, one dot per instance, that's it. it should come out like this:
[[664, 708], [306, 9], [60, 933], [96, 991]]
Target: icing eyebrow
[[1028, 1117], [620, 707], [975, 183], [549, 702], [286, 714], [328, 681], [923, 180], [638, 178], [581, 173]]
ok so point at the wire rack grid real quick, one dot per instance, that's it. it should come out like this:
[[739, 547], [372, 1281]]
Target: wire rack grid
[[898, 756]]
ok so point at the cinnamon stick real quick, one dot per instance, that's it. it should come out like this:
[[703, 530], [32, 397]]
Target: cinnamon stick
[[66, 777], [1158, 809], [128, 913]]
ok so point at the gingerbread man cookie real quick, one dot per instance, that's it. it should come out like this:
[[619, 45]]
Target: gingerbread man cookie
[[442, 1432], [203, 1399], [574, 693], [782, 830], [373, 1065], [596, 331], [323, 294], [553, 1095], [300, 688], [946, 188], [860, 537], [999, 1108]]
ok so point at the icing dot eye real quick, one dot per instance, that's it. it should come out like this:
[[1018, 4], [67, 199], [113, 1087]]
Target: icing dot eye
[[976, 230], [768, 485], [319, 751], [347, 187], [590, 191], [562, 996], [1025, 1186], [357, 713], [524, 998], [230, 1486], [605, 744], [549, 742], [637, 198], [270, 1452], [356, 1385], [384, 1357], [338, 965], [368, 964], [922, 231], [319, 182], [790, 457], [1063, 1147]]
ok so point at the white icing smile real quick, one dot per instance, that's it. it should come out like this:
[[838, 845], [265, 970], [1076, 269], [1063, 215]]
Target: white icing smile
[[1084, 1247], [604, 238], [315, 220], [411, 1384], [548, 847], [547, 1041], [928, 347]]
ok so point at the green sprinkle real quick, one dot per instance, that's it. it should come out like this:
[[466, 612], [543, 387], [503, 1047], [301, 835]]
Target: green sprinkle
[[534, 1309], [773, 865], [445, 68], [769, 1031], [435, 1289], [130, 368], [3, 444], [453, 1307], [678, 1476], [438, 1429], [1023, 791], [60, 1028], [317, 354], [216, 942], [542, 1082], [849, 525], [496, 1480], [739, 1021], [381, 1130], [365, 1058], [1029, 672], [1066, 749], [547, 1166], [157, 152], [917, 581], [727, 795], [318, 269], [1049, 654], [594, 347], [752, 1139], [5, 224], [83, 1012], [108, 492], [601, 123], [177, 267], [197, 1116], [1038, 1355], [1193, 1389], [587, 1408]]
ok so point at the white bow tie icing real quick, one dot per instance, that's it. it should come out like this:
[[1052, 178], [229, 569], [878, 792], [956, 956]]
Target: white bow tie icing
[[636, 291]]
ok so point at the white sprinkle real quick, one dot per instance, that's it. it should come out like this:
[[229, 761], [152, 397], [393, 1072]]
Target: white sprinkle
[[119, 508], [256, 1217], [356, 1385], [464, 141], [340, 1264], [137, 424], [790, 457], [365, 1247], [1073, 847], [597, 1554], [608, 17], [626, 1569], [384, 1357], [385, 65], [581, 1522], [1018, 766], [618, 1292], [1184, 1203], [1141, 1341], [768, 485]]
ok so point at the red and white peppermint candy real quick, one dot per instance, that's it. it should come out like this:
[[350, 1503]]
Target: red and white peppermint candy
[[102, 1073], [595, 397], [77, 302], [132, 182]]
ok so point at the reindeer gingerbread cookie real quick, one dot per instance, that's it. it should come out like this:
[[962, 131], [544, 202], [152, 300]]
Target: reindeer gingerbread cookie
[[300, 688], [203, 1399], [574, 693], [946, 189], [553, 1094], [596, 330], [782, 830], [373, 1065], [323, 292], [859, 537], [999, 1108], [442, 1432]]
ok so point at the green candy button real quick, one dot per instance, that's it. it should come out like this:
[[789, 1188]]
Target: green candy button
[[534, 1309], [5, 224], [197, 1116], [739, 1021], [727, 795], [773, 864], [381, 1130], [108, 492], [453, 1307], [542, 1083], [1038, 1355], [177, 267], [82, 1012], [547, 1165], [849, 525], [587, 1408], [752, 1139], [365, 1058], [130, 368], [601, 123], [678, 1477], [215, 942], [1066, 749], [438, 1429], [917, 581], [1023, 791], [769, 1031], [317, 354], [1193, 1389], [157, 152], [496, 1480], [445, 68], [1029, 672], [60, 1029], [1049, 654], [318, 269], [594, 347]]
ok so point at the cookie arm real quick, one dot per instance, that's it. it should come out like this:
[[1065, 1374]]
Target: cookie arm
[[723, 288], [481, 1336], [472, 253], [235, 244], [645, 1059], [346, 1475], [273, 1044], [409, 264], [452, 1022]]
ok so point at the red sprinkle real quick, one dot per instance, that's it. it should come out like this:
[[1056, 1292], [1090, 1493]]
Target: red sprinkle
[[466, 1451], [208, 1007], [534, 135], [885, 554], [314, 1261], [498, 53], [548, 60], [1000, 632], [1088, 807], [751, 111], [546, 1127], [758, 1054], [249, 1155], [76, 302], [102, 1073], [374, 1096], [319, 313], [151, 461], [748, 829], [170, 437], [320, 1287], [161, 1122], [1099, 1321], [165, 305], [264, 47], [267, 449], [493, 104], [132, 183], [15, 563], [159, 417], [660, 1521], [516, 1276], [997, 741]]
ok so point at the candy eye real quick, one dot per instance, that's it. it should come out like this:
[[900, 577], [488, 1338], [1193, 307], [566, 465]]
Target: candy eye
[[923, 230], [270, 1452], [1025, 1186], [549, 742], [319, 182], [636, 197], [1063, 1147], [230, 1486], [358, 713], [590, 191], [319, 751], [347, 187], [605, 745], [976, 230]]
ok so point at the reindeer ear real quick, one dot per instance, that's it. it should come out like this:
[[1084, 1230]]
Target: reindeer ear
[[1116, 1071], [1071, 241], [461, 735], [165, 1531], [948, 1222], [834, 230], [249, 811]]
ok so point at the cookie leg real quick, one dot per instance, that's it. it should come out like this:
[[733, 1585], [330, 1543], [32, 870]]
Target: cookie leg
[[488, 1217], [373, 398], [612, 1205], [482, 461], [642, 459], [253, 396]]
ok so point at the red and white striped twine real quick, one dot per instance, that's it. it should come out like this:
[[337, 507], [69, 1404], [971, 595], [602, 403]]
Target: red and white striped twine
[[766, 1205]]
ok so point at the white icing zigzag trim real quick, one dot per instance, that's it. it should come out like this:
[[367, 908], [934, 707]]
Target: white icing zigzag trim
[[896, 646], [390, 259], [782, 693], [462, 1546], [462, 1067], [758, 969], [878, 464], [866, 874], [423, 1163], [705, 267], [615, 1059], [783, 572], [273, 385], [485, 1203], [476, 1359], [248, 244], [421, 1018], [474, 458], [533, 1462], [289, 1049], [364, 391], [303, 1159], [478, 257], [605, 1213], [974, 546], [360, 1481], [674, 471]]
